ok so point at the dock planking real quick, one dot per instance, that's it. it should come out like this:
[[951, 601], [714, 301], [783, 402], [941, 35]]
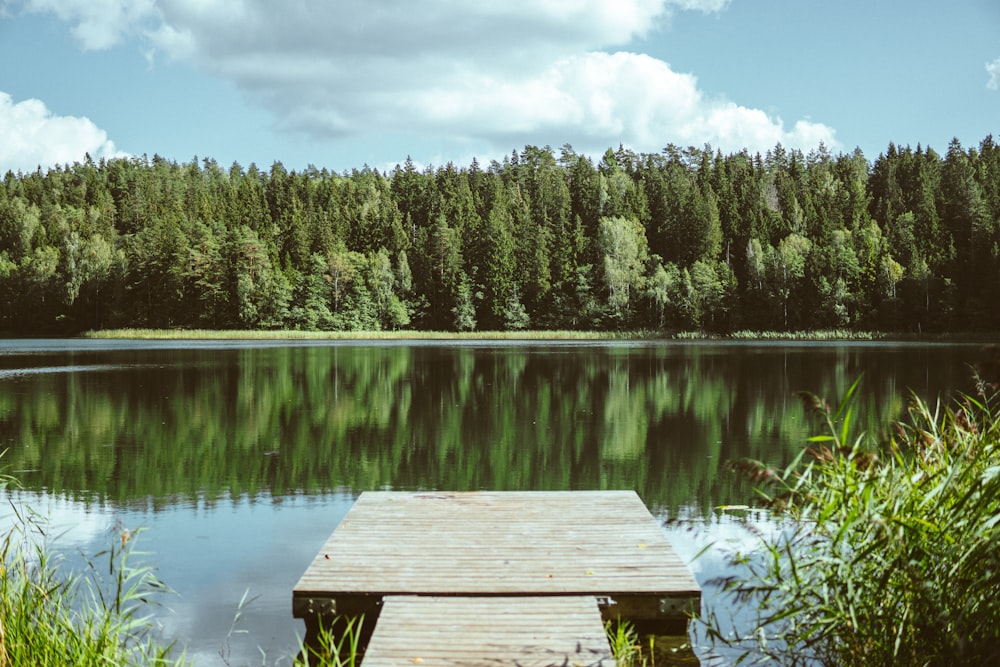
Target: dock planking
[[495, 578], [489, 631], [601, 544]]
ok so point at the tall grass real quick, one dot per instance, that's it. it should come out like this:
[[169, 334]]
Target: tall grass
[[825, 335], [212, 334], [51, 615], [817, 335], [893, 557], [339, 644], [626, 646]]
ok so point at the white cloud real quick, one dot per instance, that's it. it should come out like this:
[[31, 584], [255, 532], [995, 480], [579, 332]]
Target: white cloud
[[99, 24], [993, 69], [34, 137], [70, 524], [489, 74], [706, 6]]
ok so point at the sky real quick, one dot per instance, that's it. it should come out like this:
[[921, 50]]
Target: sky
[[340, 84]]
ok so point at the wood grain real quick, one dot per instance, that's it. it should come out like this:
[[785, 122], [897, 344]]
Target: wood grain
[[596, 543], [489, 631]]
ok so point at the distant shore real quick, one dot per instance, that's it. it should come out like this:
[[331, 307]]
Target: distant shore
[[822, 335]]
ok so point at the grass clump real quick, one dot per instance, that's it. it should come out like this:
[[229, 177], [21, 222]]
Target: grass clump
[[626, 648], [892, 556], [50, 615], [338, 644], [819, 335]]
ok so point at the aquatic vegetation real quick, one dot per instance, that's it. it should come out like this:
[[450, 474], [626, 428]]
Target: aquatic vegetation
[[817, 335], [339, 644], [288, 334], [892, 556], [52, 615]]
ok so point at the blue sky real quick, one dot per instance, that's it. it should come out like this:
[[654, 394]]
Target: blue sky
[[339, 84]]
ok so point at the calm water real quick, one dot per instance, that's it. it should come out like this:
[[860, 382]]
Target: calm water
[[240, 459]]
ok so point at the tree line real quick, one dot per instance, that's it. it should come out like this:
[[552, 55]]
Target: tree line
[[682, 239]]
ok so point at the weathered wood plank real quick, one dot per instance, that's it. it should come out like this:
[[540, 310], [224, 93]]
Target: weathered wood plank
[[491, 631], [497, 543]]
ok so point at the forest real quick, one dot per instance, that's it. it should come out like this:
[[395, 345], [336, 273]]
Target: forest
[[684, 239]]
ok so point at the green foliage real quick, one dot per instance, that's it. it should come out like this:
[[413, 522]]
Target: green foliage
[[310, 307], [622, 244], [628, 649], [50, 615], [463, 417], [515, 315], [662, 290], [498, 275], [624, 642], [786, 267], [890, 554], [337, 644], [710, 287], [906, 244], [464, 311]]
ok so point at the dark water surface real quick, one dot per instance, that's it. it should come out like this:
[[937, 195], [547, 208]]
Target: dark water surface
[[239, 459]]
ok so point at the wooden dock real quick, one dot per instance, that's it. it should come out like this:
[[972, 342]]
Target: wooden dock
[[463, 560], [524, 631]]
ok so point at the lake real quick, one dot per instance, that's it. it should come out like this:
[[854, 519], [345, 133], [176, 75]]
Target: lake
[[239, 458]]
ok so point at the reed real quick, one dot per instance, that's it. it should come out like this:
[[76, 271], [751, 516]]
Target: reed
[[51, 615], [817, 335], [339, 644], [626, 646], [563, 335], [890, 556], [212, 334]]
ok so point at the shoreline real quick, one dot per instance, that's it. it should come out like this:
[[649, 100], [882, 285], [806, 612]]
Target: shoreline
[[541, 335]]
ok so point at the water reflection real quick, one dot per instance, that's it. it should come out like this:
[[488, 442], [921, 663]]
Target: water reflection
[[242, 458], [709, 544], [169, 424], [213, 555]]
